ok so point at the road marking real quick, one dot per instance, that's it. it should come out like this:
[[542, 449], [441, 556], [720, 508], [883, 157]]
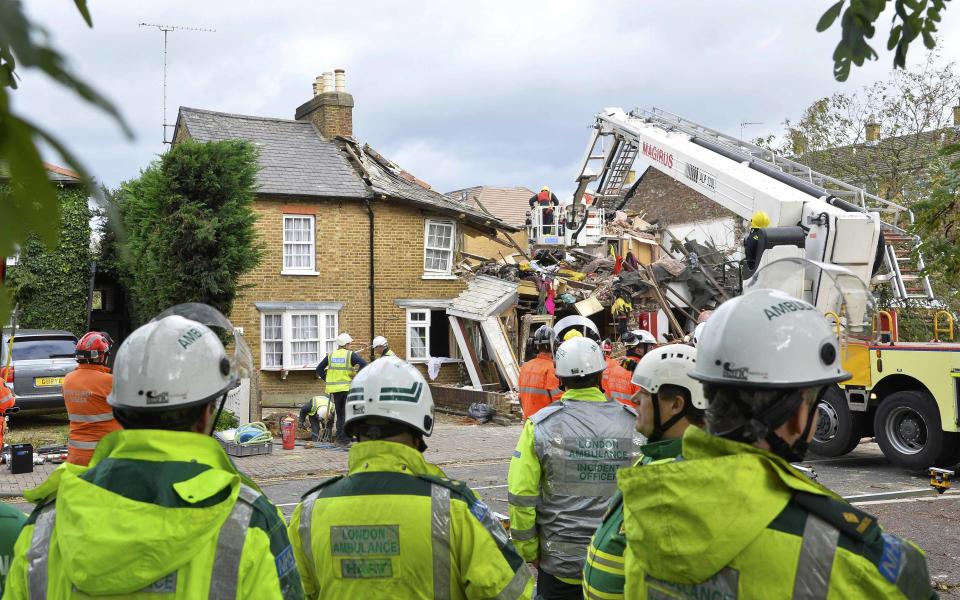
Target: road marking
[[899, 500]]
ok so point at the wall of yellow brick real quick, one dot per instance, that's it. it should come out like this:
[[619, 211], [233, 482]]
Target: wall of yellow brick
[[342, 260], [482, 244]]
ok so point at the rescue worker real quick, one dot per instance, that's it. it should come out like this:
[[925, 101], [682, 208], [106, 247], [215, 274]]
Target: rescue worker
[[759, 220], [315, 410], [607, 347], [85, 392], [538, 381], [563, 471], [337, 370], [161, 509], [395, 526], [380, 343], [616, 381], [668, 402], [548, 201], [11, 522], [735, 519]]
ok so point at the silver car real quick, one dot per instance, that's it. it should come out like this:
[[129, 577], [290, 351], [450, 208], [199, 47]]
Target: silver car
[[41, 358]]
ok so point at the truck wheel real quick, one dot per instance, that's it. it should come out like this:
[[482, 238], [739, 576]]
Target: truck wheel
[[838, 428], [907, 426]]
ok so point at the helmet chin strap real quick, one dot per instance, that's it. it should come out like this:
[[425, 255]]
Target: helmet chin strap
[[213, 426], [661, 428], [775, 416]]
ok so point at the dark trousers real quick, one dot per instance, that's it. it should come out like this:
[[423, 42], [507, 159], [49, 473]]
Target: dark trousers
[[314, 427], [551, 588], [340, 403]]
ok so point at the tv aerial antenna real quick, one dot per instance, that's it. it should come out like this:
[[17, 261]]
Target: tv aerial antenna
[[166, 29]]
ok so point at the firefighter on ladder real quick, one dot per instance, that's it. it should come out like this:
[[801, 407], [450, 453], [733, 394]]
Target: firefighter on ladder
[[85, 392], [546, 200]]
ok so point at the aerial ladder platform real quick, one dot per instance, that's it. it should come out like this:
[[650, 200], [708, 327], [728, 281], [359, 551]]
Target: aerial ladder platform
[[844, 224]]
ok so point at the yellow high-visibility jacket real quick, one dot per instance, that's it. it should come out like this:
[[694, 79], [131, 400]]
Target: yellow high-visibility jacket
[[396, 527]]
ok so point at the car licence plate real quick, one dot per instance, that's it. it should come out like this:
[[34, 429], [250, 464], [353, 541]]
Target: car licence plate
[[47, 381]]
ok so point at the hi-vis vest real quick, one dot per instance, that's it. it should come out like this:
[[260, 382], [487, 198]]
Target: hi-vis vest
[[543, 198], [339, 370], [580, 446], [316, 403], [538, 384], [617, 384], [85, 392]]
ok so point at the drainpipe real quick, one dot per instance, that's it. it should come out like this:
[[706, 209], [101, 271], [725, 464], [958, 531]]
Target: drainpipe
[[373, 288]]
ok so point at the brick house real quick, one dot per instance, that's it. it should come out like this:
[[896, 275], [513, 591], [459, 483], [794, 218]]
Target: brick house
[[509, 204], [351, 243], [683, 211]]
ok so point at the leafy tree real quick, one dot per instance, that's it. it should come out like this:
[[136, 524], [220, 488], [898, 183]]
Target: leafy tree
[[912, 19], [52, 284], [31, 203], [830, 135], [189, 223], [938, 219]]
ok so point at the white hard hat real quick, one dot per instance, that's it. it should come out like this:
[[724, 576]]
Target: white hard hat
[[378, 341], [344, 338], [171, 362], [768, 339], [579, 357], [670, 365], [698, 333], [645, 336], [391, 389]]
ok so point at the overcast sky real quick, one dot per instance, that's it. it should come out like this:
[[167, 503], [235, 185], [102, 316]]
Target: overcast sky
[[460, 94]]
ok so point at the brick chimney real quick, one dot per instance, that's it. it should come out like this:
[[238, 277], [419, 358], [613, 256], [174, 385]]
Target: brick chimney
[[331, 108], [873, 132]]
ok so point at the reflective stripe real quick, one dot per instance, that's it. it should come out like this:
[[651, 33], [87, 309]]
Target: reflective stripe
[[525, 501], [517, 585], [621, 396], [339, 368], [440, 528], [605, 564], [816, 559], [552, 547], [556, 392], [82, 445], [523, 534], [225, 575], [39, 552], [306, 539], [534, 390], [98, 418]]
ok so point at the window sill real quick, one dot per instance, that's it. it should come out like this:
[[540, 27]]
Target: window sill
[[444, 276], [423, 361], [309, 273], [278, 369]]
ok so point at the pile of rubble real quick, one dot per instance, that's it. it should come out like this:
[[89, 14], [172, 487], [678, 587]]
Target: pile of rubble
[[681, 280]]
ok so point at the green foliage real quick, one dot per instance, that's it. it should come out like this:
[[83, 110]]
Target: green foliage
[[227, 420], [51, 284], [30, 206], [912, 19], [937, 218], [189, 226]]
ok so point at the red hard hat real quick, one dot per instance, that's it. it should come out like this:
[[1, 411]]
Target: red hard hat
[[94, 347]]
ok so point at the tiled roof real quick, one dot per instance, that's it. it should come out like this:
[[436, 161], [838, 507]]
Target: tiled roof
[[390, 180], [909, 152], [509, 204], [484, 297], [57, 174], [294, 159]]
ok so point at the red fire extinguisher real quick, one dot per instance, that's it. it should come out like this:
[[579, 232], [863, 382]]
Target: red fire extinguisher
[[288, 432]]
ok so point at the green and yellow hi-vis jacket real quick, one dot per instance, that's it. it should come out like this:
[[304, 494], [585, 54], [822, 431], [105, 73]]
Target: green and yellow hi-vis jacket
[[735, 521], [156, 514], [396, 527], [603, 571]]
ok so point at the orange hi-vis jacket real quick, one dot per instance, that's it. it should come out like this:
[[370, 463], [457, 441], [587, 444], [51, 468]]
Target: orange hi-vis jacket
[[539, 385], [616, 383], [85, 392]]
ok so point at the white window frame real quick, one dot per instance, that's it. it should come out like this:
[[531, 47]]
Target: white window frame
[[312, 268], [264, 341], [323, 342], [411, 323], [430, 273]]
